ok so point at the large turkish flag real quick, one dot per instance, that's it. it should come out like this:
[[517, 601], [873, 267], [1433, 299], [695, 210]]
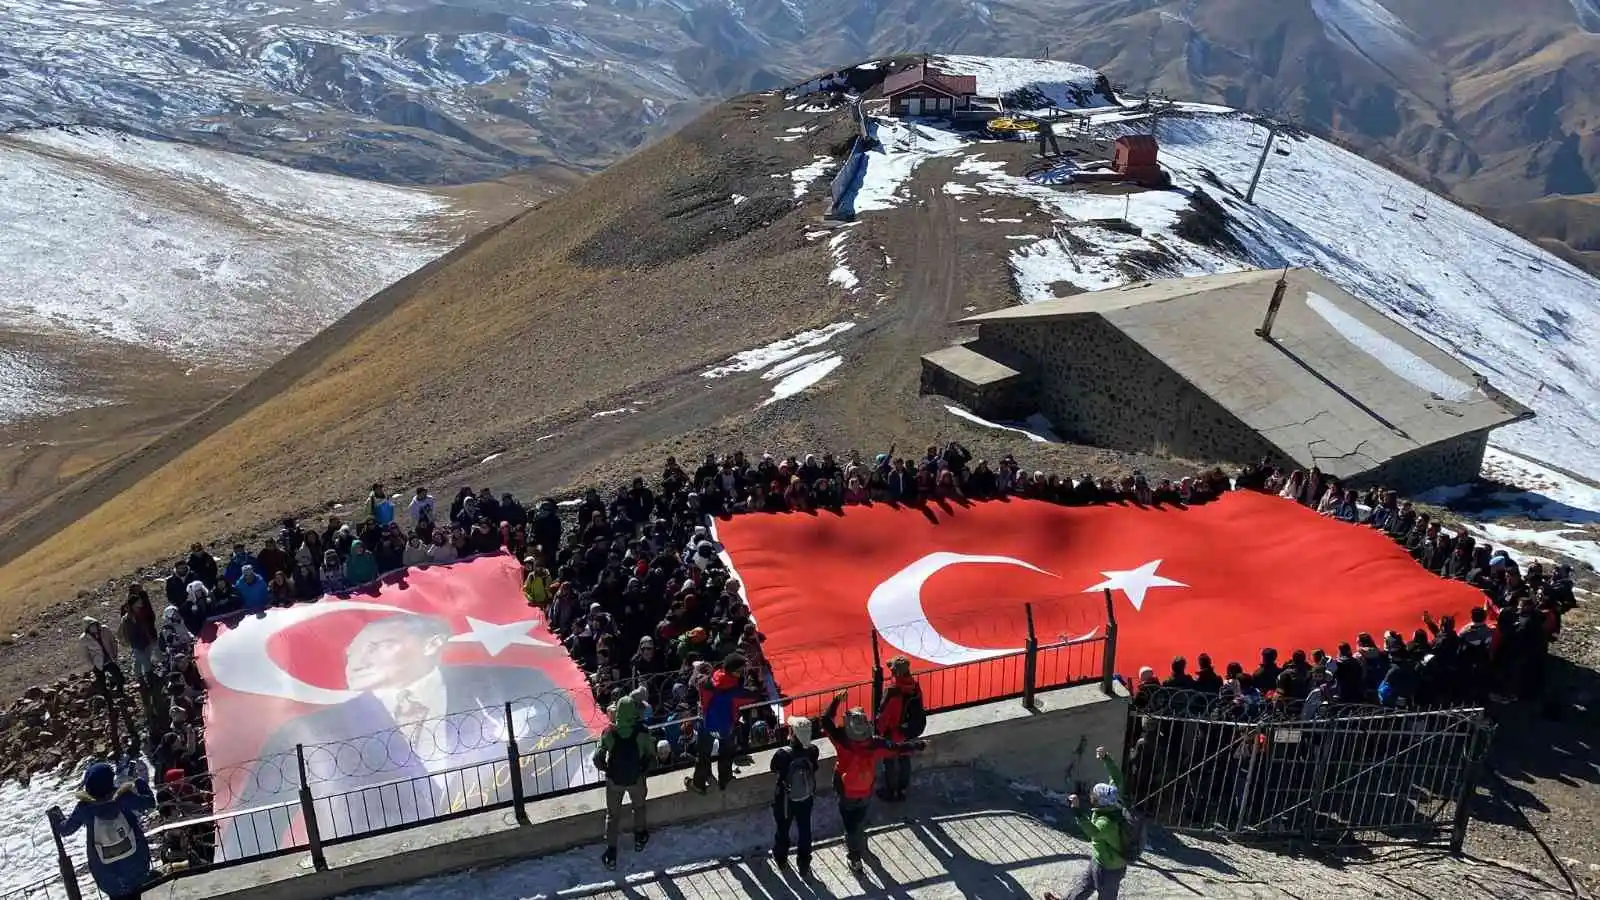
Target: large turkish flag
[[948, 584]]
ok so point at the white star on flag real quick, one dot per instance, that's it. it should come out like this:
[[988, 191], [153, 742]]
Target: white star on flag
[[1134, 582], [496, 638]]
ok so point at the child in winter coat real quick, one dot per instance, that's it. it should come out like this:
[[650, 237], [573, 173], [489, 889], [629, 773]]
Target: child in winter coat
[[857, 752], [625, 754], [1102, 823], [796, 766], [119, 856]]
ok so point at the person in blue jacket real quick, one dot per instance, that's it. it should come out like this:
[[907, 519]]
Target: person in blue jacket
[[119, 855], [252, 589]]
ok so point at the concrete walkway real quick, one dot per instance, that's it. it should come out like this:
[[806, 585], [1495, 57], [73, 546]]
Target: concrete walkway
[[967, 835]]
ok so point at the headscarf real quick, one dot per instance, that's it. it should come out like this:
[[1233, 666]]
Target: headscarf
[[1105, 794]]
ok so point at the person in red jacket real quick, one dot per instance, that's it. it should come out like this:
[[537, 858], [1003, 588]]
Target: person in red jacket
[[901, 718], [857, 752]]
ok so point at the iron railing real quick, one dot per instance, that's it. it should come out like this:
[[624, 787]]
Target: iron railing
[[304, 800], [1347, 773]]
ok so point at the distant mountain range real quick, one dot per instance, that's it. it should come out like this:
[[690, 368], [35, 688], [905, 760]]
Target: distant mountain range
[[1494, 102]]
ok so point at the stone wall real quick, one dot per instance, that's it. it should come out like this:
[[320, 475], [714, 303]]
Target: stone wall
[[1098, 387], [1004, 400], [1457, 460]]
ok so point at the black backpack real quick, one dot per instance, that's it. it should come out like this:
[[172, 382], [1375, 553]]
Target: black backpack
[[1131, 828], [913, 716], [624, 764]]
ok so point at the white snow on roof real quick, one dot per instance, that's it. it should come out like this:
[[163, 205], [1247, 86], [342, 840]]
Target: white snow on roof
[[1393, 356], [1062, 83], [797, 380], [777, 351]]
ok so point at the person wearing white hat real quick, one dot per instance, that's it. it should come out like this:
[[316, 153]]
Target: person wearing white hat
[[796, 766], [1113, 844]]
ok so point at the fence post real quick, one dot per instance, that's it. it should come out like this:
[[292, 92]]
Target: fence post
[[1471, 773], [1109, 666], [877, 674], [514, 757], [69, 876], [1030, 661], [308, 812]]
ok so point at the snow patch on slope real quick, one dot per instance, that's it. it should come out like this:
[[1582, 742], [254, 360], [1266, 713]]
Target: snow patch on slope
[[27, 850], [1370, 30], [198, 253], [777, 351], [795, 381]]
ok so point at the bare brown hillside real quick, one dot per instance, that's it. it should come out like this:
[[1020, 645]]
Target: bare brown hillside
[[565, 348], [641, 275]]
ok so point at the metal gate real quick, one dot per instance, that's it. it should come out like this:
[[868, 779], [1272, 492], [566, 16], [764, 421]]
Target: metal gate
[[1349, 774]]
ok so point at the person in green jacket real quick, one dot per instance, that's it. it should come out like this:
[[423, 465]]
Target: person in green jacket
[[361, 567], [1101, 822], [625, 753]]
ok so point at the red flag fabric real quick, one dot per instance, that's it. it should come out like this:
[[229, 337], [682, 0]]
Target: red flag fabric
[[947, 584], [402, 684]]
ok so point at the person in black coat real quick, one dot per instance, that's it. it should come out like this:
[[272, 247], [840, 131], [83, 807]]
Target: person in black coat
[[796, 766]]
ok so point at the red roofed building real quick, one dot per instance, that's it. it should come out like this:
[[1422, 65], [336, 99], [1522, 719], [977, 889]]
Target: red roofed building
[[923, 90]]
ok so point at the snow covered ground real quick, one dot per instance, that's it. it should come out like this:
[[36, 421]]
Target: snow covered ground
[[1505, 307], [27, 852], [1560, 510], [204, 255]]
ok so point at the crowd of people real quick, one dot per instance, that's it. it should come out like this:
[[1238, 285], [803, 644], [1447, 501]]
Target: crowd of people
[[634, 587]]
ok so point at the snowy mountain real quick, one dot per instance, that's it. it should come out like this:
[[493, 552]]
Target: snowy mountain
[[1495, 101], [149, 248], [406, 91]]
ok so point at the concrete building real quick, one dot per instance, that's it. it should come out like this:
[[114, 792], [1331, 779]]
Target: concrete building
[[1200, 369]]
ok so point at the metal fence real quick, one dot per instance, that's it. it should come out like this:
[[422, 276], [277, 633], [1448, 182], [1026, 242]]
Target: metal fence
[[317, 795], [1349, 773]]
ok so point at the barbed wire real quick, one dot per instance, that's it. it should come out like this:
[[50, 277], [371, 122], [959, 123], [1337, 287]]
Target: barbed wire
[[1184, 703]]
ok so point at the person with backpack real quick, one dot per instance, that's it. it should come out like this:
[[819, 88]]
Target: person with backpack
[[1116, 837], [721, 697], [119, 855], [857, 752], [625, 753], [796, 766], [901, 718]]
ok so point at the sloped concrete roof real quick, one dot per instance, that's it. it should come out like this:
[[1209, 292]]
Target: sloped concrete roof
[[1338, 385]]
